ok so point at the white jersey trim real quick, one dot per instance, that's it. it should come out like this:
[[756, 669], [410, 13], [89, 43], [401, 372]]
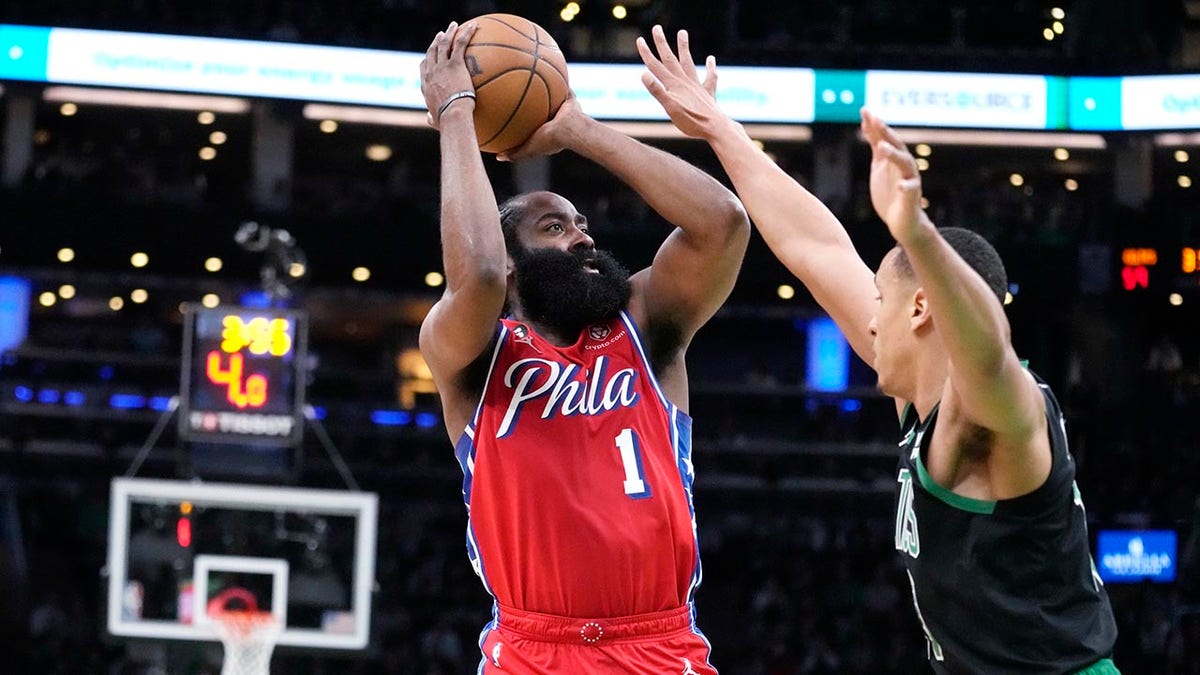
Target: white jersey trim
[[636, 336], [469, 430]]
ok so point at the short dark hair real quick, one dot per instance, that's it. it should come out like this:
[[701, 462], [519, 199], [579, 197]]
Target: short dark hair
[[511, 212], [975, 250]]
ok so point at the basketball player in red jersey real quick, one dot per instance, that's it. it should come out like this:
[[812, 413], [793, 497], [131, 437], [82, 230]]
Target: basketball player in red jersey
[[564, 389]]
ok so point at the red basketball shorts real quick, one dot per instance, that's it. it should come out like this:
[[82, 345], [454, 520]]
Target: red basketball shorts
[[659, 643]]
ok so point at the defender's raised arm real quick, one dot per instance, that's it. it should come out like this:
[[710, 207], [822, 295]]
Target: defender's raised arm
[[798, 228]]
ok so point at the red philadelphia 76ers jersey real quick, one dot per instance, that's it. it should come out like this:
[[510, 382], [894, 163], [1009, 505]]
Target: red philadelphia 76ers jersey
[[578, 478]]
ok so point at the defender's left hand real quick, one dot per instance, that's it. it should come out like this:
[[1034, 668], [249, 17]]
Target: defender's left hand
[[895, 180], [672, 80]]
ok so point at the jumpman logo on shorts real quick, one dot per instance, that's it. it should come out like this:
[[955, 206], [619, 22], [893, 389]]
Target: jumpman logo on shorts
[[687, 668]]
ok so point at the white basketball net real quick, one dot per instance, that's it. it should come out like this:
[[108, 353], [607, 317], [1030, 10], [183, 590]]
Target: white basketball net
[[249, 639]]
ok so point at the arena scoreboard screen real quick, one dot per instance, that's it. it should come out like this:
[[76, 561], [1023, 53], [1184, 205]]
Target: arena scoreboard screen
[[243, 375]]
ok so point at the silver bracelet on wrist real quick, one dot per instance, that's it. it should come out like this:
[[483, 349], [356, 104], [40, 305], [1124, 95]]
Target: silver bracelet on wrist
[[452, 98]]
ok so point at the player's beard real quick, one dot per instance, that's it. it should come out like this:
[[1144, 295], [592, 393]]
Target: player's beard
[[557, 291]]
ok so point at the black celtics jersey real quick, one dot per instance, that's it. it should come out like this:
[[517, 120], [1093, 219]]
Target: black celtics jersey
[[1005, 586]]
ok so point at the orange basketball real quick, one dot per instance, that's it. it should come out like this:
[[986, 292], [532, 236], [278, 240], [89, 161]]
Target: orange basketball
[[520, 79]]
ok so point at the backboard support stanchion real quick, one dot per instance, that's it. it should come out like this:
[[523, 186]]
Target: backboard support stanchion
[[155, 433], [331, 450]]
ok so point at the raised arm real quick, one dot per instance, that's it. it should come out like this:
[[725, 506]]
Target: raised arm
[[696, 267], [798, 228], [987, 385], [462, 323]]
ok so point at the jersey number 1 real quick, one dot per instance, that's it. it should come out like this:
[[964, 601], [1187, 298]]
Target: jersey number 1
[[631, 460]]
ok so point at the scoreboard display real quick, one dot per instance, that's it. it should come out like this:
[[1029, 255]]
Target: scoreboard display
[[242, 379], [1167, 268]]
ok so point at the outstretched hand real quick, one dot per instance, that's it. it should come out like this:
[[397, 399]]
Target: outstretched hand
[[690, 102], [444, 71], [895, 179]]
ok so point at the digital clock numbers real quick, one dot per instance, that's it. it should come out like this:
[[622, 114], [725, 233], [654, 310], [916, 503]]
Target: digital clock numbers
[[259, 337], [242, 379]]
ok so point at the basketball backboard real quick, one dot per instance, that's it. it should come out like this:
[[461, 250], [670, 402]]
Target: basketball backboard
[[305, 555]]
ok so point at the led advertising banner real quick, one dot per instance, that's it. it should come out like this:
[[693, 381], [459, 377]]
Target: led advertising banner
[[1135, 103], [237, 67], [1094, 103], [344, 75], [23, 52], [615, 91], [1136, 555], [1160, 102], [605, 90], [966, 99]]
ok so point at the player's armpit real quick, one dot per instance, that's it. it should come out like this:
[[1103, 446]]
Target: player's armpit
[[1011, 411], [453, 340]]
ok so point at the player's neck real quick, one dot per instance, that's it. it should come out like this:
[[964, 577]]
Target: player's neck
[[556, 337], [931, 369]]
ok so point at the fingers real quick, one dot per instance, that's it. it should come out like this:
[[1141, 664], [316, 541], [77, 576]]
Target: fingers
[[899, 158], [665, 64], [710, 75], [431, 52], [685, 53], [439, 48], [890, 136], [664, 49], [656, 88], [461, 38], [445, 41], [515, 154], [875, 130], [660, 71], [869, 126]]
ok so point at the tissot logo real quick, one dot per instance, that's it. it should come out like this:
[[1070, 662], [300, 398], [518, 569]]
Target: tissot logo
[[598, 331]]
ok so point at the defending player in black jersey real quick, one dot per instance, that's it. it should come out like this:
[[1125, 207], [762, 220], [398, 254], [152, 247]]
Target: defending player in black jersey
[[988, 519]]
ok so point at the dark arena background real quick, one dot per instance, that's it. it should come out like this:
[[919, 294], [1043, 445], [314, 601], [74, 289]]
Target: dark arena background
[[137, 210]]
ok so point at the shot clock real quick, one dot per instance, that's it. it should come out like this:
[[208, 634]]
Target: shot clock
[[243, 376]]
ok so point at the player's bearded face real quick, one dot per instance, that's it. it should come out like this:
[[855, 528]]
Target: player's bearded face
[[567, 290]]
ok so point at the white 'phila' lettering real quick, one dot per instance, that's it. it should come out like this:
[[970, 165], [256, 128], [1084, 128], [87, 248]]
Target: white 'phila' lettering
[[567, 391]]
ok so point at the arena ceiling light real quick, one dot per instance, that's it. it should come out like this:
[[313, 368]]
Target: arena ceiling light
[[146, 99], [1018, 139], [798, 133], [365, 115], [416, 118], [1177, 139]]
